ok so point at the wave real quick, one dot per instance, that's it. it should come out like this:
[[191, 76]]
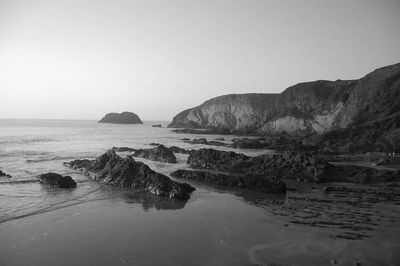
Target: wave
[[25, 141], [36, 181], [22, 153], [49, 209], [20, 181], [57, 206], [56, 158]]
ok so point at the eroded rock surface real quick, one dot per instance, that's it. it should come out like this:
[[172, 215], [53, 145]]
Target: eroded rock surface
[[262, 183], [159, 153], [112, 169], [57, 180], [304, 167]]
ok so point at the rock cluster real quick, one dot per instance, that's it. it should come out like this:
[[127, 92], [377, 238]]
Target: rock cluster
[[112, 169]]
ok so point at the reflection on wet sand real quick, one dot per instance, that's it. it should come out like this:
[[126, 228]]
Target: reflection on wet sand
[[149, 201]]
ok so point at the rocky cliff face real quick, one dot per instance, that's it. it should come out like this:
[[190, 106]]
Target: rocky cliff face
[[233, 112], [311, 107]]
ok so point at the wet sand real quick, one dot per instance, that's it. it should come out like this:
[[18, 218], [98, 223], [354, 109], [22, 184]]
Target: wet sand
[[213, 228]]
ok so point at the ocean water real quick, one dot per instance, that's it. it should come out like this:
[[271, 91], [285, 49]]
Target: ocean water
[[95, 224], [32, 147]]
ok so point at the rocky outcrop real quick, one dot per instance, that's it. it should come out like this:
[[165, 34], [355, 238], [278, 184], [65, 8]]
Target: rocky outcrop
[[176, 149], [4, 174], [247, 143], [204, 141], [122, 118], [262, 183], [112, 169], [159, 153], [365, 109], [56, 180], [304, 167]]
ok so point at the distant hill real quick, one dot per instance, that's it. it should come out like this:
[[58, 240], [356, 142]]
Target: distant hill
[[122, 118]]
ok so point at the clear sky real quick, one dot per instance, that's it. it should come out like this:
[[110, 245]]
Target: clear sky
[[80, 59]]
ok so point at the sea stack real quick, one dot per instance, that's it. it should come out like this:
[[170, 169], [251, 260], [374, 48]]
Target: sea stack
[[121, 118]]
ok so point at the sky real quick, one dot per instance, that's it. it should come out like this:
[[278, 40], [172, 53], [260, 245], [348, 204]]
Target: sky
[[81, 59]]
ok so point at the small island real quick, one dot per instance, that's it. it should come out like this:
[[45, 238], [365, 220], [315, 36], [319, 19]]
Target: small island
[[122, 118]]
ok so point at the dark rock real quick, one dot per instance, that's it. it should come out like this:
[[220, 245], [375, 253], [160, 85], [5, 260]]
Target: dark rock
[[123, 149], [304, 167], [254, 182], [112, 169], [215, 131], [122, 118], [154, 144], [57, 180], [179, 150], [204, 141], [221, 138], [246, 143], [159, 153], [159, 125], [383, 161], [358, 174], [4, 174], [172, 149]]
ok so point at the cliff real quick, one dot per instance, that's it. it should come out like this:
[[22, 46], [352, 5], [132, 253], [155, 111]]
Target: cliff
[[234, 111], [122, 118], [310, 107]]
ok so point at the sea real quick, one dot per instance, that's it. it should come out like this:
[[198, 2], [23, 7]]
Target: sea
[[96, 224]]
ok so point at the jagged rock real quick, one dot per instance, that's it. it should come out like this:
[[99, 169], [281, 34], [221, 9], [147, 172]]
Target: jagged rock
[[173, 149], [261, 183], [305, 167], [123, 149], [154, 144], [211, 131], [4, 174], [57, 180], [122, 118], [112, 169], [159, 153], [246, 143], [300, 166], [205, 142], [176, 149]]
